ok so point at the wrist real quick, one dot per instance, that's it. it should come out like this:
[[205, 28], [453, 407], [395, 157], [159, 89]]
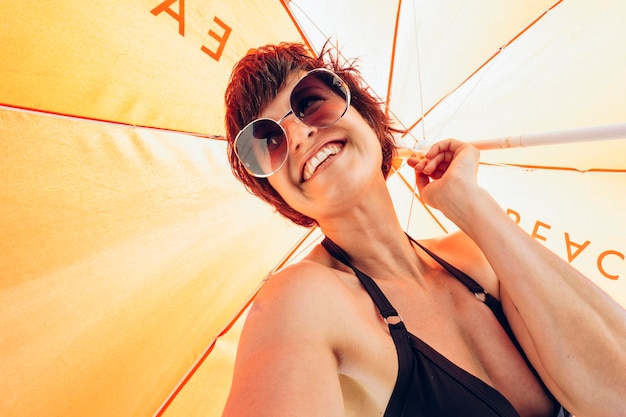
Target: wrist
[[470, 208]]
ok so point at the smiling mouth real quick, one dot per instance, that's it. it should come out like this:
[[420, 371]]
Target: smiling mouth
[[327, 151]]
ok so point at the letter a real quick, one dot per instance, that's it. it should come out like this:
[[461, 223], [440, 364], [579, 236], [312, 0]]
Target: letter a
[[179, 17], [579, 248]]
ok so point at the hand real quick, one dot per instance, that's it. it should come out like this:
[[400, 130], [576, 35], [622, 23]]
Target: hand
[[446, 172]]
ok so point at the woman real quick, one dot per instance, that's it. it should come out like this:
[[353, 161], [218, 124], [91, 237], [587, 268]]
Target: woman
[[372, 322]]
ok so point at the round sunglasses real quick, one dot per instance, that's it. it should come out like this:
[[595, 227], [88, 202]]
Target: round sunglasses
[[319, 99]]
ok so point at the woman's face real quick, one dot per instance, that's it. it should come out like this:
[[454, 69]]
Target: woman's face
[[327, 168]]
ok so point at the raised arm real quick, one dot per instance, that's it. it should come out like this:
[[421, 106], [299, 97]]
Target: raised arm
[[575, 333]]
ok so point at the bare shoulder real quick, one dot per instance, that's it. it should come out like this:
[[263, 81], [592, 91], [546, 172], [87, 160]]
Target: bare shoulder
[[300, 287], [460, 250], [300, 302], [290, 340]]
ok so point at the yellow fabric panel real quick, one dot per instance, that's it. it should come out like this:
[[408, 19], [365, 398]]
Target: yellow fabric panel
[[125, 251], [127, 61], [205, 394]]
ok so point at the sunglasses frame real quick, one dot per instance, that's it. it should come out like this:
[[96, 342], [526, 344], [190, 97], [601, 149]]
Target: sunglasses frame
[[338, 82]]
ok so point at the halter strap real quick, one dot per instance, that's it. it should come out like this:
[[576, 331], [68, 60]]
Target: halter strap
[[381, 301]]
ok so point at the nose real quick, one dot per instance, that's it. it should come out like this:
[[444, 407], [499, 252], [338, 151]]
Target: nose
[[298, 133]]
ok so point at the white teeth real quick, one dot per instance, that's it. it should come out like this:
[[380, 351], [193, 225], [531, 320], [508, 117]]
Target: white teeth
[[318, 158]]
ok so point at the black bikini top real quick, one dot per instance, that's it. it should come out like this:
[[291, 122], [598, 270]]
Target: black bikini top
[[428, 384]]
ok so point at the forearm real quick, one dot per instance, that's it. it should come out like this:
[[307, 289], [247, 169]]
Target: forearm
[[578, 331], [528, 270]]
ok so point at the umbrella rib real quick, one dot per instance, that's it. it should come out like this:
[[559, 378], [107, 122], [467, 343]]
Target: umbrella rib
[[109, 122], [414, 196], [194, 368], [393, 58], [491, 58], [292, 252], [295, 23]]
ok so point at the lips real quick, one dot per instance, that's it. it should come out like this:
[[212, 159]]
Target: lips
[[325, 152]]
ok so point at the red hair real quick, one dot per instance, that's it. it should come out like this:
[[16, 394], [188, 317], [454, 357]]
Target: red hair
[[256, 80]]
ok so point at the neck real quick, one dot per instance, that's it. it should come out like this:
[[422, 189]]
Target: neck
[[373, 239]]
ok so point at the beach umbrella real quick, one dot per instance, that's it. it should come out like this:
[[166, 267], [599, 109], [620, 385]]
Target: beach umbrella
[[130, 254], [535, 86]]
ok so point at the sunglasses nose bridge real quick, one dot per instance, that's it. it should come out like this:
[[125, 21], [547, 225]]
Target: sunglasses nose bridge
[[297, 120]]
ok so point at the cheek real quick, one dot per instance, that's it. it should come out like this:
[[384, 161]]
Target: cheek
[[281, 184], [291, 194], [373, 143], [365, 130]]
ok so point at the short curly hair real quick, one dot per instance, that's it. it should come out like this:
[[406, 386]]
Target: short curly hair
[[256, 80]]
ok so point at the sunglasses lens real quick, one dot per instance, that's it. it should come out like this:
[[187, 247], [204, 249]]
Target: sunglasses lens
[[262, 147], [320, 98]]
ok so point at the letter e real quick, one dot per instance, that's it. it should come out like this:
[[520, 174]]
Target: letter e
[[536, 234], [221, 39]]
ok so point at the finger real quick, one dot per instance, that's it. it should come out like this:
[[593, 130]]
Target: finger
[[435, 162], [441, 169], [417, 162], [421, 181], [447, 145]]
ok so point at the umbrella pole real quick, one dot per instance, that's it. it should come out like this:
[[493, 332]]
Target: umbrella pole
[[586, 134]]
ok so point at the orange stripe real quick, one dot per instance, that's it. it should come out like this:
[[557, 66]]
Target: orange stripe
[[111, 122], [232, 322], [180, 386], [482, 66], [555, 168], [295, 23], [427, 208], [393, 58]]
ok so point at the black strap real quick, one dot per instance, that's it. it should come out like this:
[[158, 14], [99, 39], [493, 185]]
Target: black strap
[[381, 301], [471, 285], [493, 303], [465, 279], [397, 329], [385, 307]]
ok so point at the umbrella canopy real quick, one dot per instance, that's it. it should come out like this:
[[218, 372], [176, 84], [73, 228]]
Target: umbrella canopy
[[490, 71], [129, 252], [125, 237]]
